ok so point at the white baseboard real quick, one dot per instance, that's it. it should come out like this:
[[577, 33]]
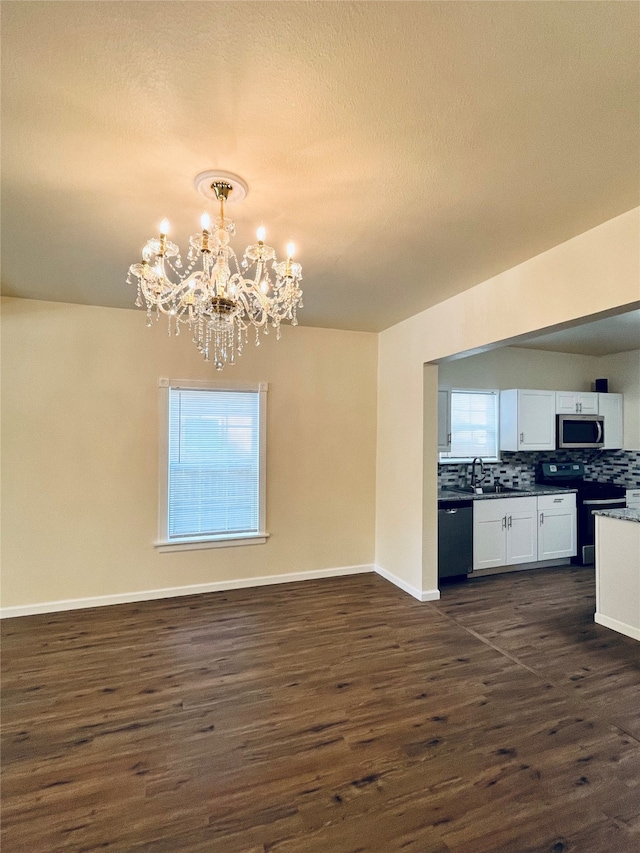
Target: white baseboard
[[174, 592], [420, 594], [615, 625]]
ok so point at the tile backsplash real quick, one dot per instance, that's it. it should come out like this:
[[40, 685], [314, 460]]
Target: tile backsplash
[[519, 469]]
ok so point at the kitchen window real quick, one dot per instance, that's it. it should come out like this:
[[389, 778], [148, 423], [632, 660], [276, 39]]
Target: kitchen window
[[212, 464], [474, 426]]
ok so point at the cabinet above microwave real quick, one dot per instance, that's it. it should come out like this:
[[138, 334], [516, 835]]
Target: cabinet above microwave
[[577, 403]]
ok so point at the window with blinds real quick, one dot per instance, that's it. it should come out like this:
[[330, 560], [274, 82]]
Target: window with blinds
[[214, 464], [474, 426]]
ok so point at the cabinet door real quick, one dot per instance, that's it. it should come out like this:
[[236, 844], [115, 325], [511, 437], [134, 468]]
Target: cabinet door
[[566, 403], [587, 403], [489, 534], [444, 420], [536, 420], [557, 533], [576, 403], [522, 539], [610, 405]]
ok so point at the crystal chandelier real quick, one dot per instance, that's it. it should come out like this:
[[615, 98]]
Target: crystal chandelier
[[214, 295]]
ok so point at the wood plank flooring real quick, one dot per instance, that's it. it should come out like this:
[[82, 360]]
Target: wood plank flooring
[[334, 716]]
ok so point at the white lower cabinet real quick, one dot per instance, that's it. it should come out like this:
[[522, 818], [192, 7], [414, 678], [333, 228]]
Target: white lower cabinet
[[509, 531], [522, 539], [557, 527], [504, 532]]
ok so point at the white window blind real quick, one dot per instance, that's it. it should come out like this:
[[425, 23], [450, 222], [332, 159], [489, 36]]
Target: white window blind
[[213, 463], [474, 425]]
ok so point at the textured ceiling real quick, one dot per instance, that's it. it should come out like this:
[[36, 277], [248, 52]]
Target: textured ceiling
[[411, 150]]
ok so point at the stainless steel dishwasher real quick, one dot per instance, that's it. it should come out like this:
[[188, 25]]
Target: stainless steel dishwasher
[[455, 538]]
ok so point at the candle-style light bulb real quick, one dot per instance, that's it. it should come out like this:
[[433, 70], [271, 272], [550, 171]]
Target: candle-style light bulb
[[205, 221], [164, 227], [261, 233], [291, 250]]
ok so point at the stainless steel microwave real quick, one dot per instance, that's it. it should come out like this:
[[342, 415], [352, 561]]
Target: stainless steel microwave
[[580, 431]]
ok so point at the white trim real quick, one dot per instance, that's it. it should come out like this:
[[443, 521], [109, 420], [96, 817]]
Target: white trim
[[212, 384], [163, 542], [420, 594], [229, 541], [615, 625], [176, 591]]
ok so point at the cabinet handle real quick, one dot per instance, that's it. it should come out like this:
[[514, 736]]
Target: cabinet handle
[[448, 438], [521, 438], [509, 521], [504, 522], [541, 518]]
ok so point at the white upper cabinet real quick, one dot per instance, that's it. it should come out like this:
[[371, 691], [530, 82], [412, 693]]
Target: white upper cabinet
[[576, 403], [444, 420], [610, 405], [527, 420]]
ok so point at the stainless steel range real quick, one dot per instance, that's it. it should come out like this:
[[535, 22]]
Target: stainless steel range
[[591, 496]]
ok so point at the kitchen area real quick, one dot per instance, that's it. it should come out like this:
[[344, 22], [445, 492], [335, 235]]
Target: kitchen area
[[567, 466]]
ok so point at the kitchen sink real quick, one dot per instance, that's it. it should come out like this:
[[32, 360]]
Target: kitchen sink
[[486, 490]]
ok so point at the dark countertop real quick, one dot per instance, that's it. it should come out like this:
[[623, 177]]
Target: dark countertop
[[524, 492], [623, 514]]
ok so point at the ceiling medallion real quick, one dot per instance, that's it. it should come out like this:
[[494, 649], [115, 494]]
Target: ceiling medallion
[[218, 304]]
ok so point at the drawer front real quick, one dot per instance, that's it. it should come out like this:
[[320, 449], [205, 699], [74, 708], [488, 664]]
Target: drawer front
[[556, 501], [497, 507]]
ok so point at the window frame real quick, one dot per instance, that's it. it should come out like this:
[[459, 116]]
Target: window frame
[[466, 460], [164, 544]]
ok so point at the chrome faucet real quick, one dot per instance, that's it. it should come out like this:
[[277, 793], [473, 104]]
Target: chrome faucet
[[474, 480]]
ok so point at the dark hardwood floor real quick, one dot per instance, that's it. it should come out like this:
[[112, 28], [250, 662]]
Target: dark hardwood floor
[[335, 716]]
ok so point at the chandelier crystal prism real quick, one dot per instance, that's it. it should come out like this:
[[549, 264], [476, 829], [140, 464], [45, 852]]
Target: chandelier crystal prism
[[216, 296]]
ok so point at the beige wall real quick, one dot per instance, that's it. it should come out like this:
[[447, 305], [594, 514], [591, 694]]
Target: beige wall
[[589, 275], [80, 450], [514, 367], [80, 428]]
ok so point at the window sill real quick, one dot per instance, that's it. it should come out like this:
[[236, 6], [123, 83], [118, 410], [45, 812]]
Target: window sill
[[230, 541]]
